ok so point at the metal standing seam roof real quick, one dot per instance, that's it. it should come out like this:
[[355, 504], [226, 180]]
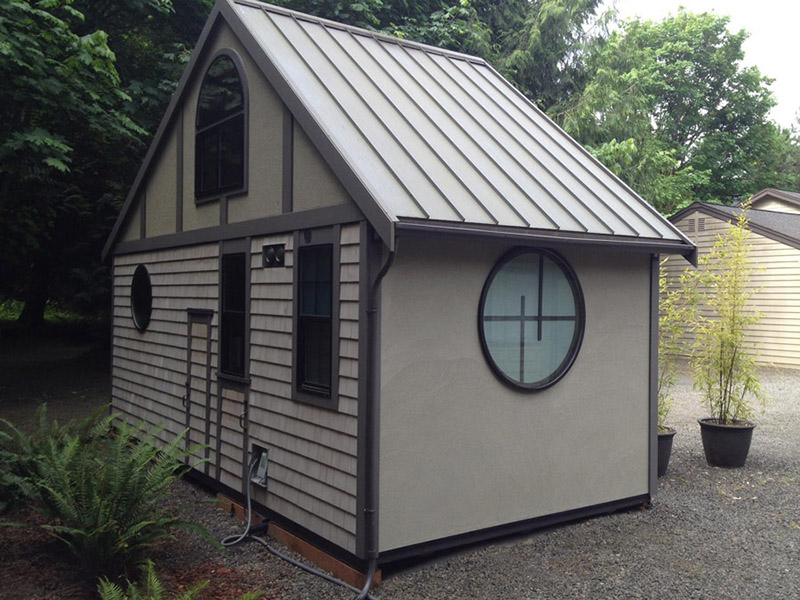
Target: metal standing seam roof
[[440, 136], [422, 136]]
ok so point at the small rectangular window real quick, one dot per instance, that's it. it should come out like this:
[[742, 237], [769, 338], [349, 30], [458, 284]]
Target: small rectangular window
[[314, 319], [233, 314]]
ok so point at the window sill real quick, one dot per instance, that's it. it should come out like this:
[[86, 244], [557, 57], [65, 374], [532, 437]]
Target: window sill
[[316, 399], [243, 381], [217, 195]]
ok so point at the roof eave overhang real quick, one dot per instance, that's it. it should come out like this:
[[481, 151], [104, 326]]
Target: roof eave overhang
[[538, 237]]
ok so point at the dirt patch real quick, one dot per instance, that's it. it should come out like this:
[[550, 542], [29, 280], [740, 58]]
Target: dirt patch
[[72, 377]]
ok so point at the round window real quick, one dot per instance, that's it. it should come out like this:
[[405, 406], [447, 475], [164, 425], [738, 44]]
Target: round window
[[141, 298], [531, 318]]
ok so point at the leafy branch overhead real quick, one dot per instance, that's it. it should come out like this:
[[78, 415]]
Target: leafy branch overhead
[[672, 110]]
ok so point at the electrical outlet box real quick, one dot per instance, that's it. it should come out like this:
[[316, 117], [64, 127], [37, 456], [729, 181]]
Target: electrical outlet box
[[272, 256], [259, 477]]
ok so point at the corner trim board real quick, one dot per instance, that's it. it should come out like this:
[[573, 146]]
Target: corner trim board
[[365, 234], [652, 448]]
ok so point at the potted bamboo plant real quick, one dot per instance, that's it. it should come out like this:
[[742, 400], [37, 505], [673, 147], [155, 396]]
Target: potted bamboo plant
[[676, 307], [723, 362]]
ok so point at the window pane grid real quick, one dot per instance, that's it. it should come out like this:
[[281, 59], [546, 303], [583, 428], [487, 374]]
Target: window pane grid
[[531, 318], [233, 314], [219, 135], [315, 343]]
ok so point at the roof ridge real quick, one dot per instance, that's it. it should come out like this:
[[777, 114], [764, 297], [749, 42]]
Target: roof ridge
[[376, 35]]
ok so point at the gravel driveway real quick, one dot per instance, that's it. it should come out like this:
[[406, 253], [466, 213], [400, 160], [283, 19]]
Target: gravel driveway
[[711, 533]]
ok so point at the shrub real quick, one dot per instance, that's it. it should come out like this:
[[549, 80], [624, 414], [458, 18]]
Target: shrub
[[103, 493], [723, 369], [677, 312], [21, 452]]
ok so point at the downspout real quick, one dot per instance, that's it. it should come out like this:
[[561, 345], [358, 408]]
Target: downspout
[[372, 417]]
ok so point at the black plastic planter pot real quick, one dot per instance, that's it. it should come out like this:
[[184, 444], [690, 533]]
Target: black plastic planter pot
[[664, 450], [726, 445]]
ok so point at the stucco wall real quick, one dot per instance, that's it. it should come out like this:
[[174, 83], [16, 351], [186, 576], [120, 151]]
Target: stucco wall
[[162, 189], [314, 184], [132, 228], [459, 450]]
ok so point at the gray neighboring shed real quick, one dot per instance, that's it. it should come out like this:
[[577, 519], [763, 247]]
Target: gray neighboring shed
[[775, 253], [379, 262]]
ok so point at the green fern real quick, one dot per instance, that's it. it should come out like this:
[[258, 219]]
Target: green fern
[[103, 494], [150, 588], [21, 451]]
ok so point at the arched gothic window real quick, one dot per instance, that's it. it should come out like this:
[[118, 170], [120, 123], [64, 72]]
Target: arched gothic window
[[220, 133]]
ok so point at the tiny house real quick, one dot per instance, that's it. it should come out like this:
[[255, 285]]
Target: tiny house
[[379, 265], [775, 255]]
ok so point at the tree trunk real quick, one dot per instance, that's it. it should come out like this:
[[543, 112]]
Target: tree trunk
[[36, 296]]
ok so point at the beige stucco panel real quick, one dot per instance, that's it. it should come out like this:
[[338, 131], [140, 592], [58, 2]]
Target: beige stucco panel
[[265, 144], [161, 194], [314, 183], [132, 229], [459, 450]]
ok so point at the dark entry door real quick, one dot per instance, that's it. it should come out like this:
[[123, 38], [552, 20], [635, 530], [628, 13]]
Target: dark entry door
[[201, 404]]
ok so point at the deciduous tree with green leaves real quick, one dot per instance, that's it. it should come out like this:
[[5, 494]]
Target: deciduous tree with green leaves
[[61, 95], [674, 112], [85, 83]]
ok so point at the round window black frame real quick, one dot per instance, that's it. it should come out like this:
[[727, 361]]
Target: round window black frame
[[141, 298], [580, 320]]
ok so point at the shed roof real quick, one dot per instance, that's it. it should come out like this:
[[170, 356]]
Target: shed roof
[[783, 227], [427, 139]]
